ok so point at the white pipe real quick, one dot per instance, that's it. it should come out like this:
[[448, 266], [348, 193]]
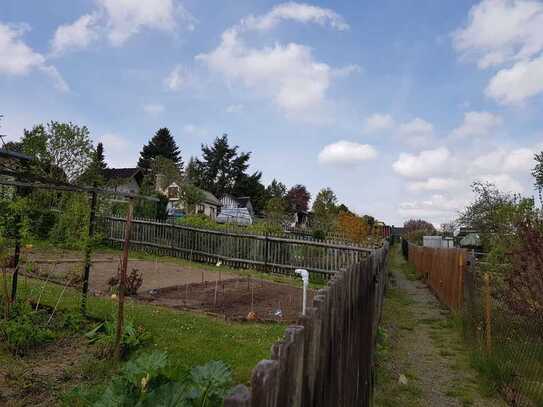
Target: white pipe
[[305, 278]]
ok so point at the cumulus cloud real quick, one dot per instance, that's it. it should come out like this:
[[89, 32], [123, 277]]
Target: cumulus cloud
[[76, 35], [119, 20], [518, 83], [346, 153], [416, 133], [153, 108], [17, 58], [500, 31], [178, 78], [118, 150], [504, 182], [434, 184], [300, 12], [425, 164], [437, 208], [378, 122], [502, 159], [288, 73], [477, 124]]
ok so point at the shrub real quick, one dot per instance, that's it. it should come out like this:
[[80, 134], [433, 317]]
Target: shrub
[[133, 282]]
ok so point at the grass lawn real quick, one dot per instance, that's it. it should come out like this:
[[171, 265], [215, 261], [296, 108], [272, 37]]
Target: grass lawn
[[190, 338]]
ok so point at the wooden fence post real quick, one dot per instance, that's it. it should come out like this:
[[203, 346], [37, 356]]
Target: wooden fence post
[[88, 251], [488, 315], [122, 281]]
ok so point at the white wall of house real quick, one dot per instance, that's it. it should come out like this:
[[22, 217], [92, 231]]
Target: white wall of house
[[128, 187]]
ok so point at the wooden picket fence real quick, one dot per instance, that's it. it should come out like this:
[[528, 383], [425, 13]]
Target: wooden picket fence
[[267, 253], [328, 359], [443, 270]]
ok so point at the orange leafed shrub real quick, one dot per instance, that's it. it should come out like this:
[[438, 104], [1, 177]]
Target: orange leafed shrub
[[353, 227]]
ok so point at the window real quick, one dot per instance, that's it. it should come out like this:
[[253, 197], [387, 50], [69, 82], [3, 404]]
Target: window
[[173, 192], [200, 208]]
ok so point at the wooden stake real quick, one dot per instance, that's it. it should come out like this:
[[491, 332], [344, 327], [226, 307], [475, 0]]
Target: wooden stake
[[122, 280], [215, 297], [488, 316], [6, 293]]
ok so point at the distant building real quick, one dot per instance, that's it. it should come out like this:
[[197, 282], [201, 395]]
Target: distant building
[[438, 242], [238, 210], [123, 180], [209, 205]]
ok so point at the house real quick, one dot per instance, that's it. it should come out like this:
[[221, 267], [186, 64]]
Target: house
[[123, 180], [301, 220], [236, 210], [209, 205]]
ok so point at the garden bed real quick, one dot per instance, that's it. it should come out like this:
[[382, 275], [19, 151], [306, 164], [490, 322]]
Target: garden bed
[[234, 299]]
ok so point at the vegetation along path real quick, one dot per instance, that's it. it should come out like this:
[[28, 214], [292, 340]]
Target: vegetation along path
[[421, 359]]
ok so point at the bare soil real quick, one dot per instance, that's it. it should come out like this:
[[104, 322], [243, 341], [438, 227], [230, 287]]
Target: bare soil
[[234, 299], [156, 274]]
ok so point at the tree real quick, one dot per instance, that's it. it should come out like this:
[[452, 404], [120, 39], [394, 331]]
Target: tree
[[448, 229], [352, 227], [162, 173], [276, 210], [415, 229], [220, 168], [276, 189], [250, 185], [537, 172], [94, 175], [191, 196], [161, 145], [298, 198], [62, 150], [325, 209]]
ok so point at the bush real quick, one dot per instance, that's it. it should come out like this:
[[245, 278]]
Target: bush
[[23, 330]]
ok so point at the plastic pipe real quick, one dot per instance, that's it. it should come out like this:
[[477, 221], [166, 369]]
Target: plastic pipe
[[305, 278]]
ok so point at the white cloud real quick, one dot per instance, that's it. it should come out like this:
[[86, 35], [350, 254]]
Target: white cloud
[[518, 83], [153, 108], [500, 31], [434, 184], [503, 182], [346, 153], [427, 163], [416, 133], [119, 20], [289, 73], [300, 12], [378, 122], [17, 58], [235, 108], [503, 160], [437, 208], [79, 34], [178, 78], [477, 124]]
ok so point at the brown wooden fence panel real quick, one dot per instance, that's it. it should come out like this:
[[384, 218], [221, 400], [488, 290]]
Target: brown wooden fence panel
[[443, 270], [266, 253], [328, 359]]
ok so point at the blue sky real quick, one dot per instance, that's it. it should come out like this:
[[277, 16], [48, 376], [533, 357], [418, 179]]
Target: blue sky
[[398, 106]]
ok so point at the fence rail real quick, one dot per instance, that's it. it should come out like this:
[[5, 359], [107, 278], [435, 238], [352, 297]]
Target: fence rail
[[266, 253], [327, 360]]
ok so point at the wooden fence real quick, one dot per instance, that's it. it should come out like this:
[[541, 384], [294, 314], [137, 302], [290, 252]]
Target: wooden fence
[[443, 270], [327, 360], [266, 253]]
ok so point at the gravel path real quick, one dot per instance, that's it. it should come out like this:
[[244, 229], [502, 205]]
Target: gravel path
[[425, 349]]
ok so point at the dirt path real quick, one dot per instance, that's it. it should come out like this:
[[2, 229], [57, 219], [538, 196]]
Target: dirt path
[[422, 360]]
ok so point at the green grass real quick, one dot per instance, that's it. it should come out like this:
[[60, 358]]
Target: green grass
[[190, 338]]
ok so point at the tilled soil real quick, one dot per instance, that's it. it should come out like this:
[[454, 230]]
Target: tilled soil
[[234, 299]]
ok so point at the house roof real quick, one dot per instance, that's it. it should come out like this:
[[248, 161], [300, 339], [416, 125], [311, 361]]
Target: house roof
[[210, 198], [121, 173]]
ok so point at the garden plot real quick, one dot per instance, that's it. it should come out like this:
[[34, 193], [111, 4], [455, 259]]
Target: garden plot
[[60, 266], [235, 299]]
